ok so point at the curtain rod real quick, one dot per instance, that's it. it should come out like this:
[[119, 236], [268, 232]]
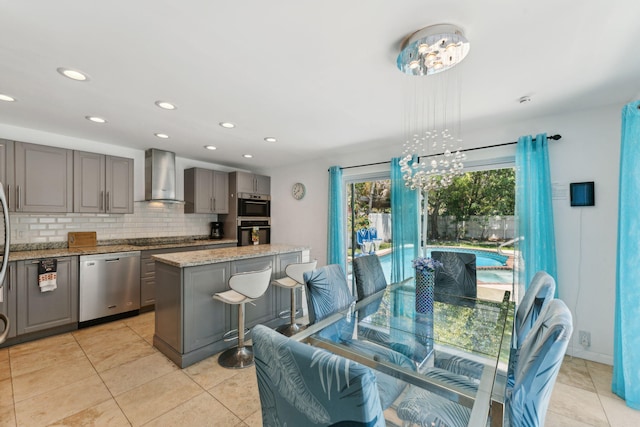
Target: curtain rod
[[554, 137]]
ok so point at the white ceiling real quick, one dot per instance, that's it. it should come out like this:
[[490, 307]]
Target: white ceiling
[[316, 75]]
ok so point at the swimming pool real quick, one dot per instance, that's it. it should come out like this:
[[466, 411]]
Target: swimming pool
[[484, 261]]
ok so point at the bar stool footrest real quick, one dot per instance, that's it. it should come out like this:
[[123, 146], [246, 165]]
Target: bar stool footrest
[[232, 335]]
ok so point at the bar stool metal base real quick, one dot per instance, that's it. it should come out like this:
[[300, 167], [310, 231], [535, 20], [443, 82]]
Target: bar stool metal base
[[237, 357], [289, 329]]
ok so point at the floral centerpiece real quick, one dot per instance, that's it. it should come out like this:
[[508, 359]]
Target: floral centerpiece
[[425, 264], [425, 282]]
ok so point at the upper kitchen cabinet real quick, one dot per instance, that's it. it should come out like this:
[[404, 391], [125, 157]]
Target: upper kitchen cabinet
[[206, 191], [102, 184], [43, 178], [251, 183]]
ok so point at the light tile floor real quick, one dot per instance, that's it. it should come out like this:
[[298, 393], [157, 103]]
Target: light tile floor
[[111, 375]]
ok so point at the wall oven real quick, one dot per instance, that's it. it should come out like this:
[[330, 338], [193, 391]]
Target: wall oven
[[254, 231], [254, 205]]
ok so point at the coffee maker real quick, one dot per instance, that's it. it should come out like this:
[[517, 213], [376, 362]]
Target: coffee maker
[[216, 230]]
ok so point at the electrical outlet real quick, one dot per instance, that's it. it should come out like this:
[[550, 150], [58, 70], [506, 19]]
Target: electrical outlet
[[585, 338]]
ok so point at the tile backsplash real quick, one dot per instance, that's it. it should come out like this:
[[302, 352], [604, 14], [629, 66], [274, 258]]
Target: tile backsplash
[[150, 219]]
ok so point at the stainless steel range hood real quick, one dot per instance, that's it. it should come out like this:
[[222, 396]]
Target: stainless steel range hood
[[160, 176]]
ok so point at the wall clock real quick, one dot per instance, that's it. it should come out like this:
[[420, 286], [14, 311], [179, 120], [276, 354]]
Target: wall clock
[[298, 190]]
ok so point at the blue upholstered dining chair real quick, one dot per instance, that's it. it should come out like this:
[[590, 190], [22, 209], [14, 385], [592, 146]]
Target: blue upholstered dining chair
[[301, 385], [537, 366], [328, 293], [369, 275], [538, 294], [456, 278]]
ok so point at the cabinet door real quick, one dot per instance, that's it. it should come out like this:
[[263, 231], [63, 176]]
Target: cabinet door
[[205, 320], [6, 171], [43, 178], [8, 304], [220, 192], [263, 184], [245, 182], [43, 310], [119, 184], [88, 182], [264, 308], [198, 190]]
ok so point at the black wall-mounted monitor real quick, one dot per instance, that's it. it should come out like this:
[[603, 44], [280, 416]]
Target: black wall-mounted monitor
[[582, 194]]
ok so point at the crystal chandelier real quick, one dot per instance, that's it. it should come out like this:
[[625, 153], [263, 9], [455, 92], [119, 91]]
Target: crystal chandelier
[[432, 155]]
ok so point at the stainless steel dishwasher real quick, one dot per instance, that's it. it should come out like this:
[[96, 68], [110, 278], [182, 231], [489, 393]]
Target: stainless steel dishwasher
[[109, 284]]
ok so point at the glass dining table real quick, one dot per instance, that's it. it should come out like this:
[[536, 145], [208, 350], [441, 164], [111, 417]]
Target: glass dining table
[[474, 330]]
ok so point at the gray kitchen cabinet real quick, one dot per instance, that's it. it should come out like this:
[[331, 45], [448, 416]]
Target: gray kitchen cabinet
[[206, 191], [190, 325], [265, 306], [206, 320], [119, 184], [8, 304], [189, 318], [43, 178], [43, 310], [102, 184], [6, 171], [252, 183]]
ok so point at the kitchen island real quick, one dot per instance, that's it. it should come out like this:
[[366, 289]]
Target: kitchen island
[[190, 324]]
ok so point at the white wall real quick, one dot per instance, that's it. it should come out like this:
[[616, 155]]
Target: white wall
[[585, 237]]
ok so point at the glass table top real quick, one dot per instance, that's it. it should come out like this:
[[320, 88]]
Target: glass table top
[[472, 329]]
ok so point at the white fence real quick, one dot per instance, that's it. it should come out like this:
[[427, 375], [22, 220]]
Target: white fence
[[499, 228]]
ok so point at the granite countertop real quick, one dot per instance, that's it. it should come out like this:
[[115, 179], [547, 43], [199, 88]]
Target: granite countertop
[[212, 256], [24, 253]]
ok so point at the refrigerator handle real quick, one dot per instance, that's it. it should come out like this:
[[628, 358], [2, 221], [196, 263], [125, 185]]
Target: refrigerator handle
[[5, 258]]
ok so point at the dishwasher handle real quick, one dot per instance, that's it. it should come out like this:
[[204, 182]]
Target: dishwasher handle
[[112, 260]]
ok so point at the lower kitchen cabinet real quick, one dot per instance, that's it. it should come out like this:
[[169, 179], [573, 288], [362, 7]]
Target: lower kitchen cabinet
[[43, 310], [190, 324], [205, 320], [8, 304]]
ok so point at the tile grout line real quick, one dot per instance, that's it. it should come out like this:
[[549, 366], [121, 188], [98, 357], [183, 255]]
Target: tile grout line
[[101, 379]]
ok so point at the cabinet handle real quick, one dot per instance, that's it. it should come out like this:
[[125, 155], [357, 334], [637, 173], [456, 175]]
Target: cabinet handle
[[214, 205], [9, 196], [19, 198], [102, 200], [211, 204], [107, 207]]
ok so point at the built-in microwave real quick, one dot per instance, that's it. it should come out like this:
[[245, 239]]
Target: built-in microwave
[[254, 205]]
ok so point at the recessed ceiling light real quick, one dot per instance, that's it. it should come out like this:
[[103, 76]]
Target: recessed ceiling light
[[7, 98], [247, 156], [227, 125], [161, 135], [73, 74], [166, 105], [210, 147], [95, 119], [270, 139]]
